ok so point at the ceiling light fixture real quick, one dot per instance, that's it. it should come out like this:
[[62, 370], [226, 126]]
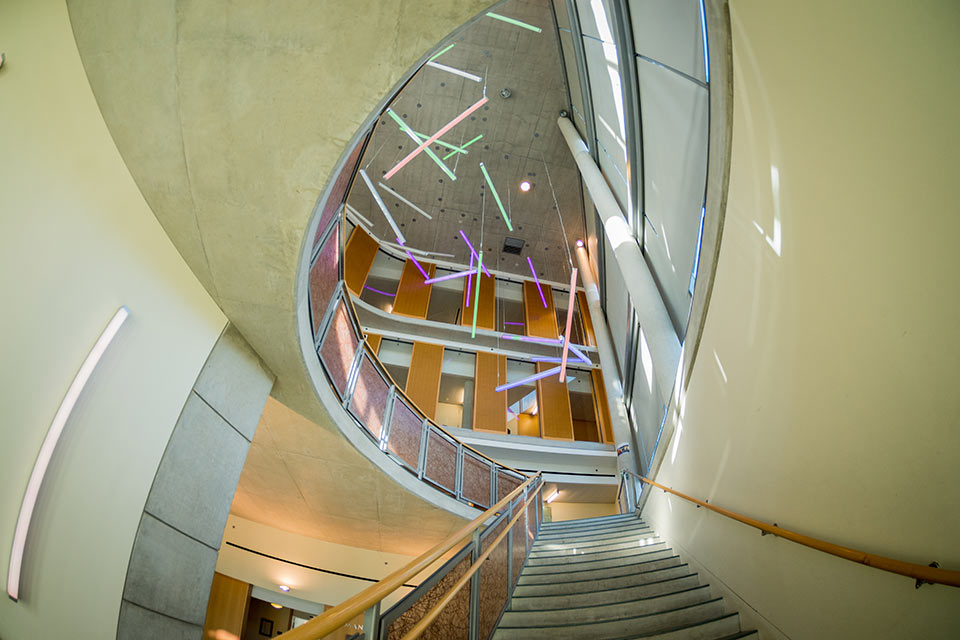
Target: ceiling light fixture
[[276, 606], [525, 186], [553, 496], [580, 243], [284, 588]]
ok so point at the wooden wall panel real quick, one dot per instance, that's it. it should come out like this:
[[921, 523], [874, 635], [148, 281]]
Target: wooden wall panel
[[584, 311], [538, 321], [553, 400], [487, 311], [553, 397], [373, 339], [227, 607], [489, 406], [413, 296], [423, 378], [358, 259], [601, 408]]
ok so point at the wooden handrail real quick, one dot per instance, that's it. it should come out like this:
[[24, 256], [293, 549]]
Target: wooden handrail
[[331, 620], [432, 614], [916, 571]]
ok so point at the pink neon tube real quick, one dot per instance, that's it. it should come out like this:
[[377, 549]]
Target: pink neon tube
[[429, 141], [566, 332]]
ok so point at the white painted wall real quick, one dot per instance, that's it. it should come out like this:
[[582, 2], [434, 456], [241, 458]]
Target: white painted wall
[[824, 394], [77, 240], [305, 584]]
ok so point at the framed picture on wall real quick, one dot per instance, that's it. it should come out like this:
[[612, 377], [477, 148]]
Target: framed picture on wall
[[266, 627]]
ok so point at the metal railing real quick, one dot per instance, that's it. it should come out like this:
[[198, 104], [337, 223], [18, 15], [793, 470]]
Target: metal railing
[[923, 574], [481, 573]]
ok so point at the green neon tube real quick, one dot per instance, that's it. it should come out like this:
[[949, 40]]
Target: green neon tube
[[441, 52], [476, 295], [441, 143], [496, 196], [462, 149], [410, 132], [491, 14]]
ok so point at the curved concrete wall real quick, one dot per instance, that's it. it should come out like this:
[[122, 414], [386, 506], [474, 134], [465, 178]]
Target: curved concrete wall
[[823, 395], [76, 241]]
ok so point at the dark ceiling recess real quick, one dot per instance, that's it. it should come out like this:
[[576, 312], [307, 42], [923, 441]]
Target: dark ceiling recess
[[513, 245]]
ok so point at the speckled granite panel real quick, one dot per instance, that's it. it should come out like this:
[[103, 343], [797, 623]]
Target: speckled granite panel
[[493, 583], [453, 621], [532, 522], [519, 549], [324, 277], [369, 400], [339, 192], [476, 480], [339, 347], [441, 465], [506, 483], [405, 430]]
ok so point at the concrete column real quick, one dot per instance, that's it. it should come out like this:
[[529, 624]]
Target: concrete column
[[654, 319], [608, 364]]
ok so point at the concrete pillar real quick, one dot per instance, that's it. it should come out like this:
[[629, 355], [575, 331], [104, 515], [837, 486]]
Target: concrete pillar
[[654, 319], [608, 364]]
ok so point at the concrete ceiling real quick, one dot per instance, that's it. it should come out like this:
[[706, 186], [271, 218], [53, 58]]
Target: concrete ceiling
[[310, 481], [521, 141], [230, 116]]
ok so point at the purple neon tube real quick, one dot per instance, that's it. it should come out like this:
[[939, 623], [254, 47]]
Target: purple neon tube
[[533, 378], [535, 279], [473, 254]]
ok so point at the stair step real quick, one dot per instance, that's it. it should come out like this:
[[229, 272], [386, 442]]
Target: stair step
[[584, 555], [608, 611], [641, 572], [560, 550], [639, 625], [595, 538], [586, 521], [725, 627], [573, 564], [602, 596], [629, 525]]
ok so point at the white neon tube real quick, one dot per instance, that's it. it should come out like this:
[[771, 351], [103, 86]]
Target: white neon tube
[[454, 70], [49, 444], [405, 201], [553, 496], [357, 215], [380, 203]]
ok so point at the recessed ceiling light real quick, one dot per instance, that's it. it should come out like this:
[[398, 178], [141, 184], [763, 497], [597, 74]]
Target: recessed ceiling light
[[276, 606], [284, 588], [525, 186], [579, 243]]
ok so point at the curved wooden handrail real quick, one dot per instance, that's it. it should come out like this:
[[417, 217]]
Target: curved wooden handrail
[[909, 569], [331, 620], [366, 347], [432, 614]]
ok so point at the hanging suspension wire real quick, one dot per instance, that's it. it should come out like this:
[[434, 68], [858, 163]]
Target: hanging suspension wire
[[556, 205]]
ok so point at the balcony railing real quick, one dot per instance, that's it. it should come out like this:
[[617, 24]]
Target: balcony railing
[[370, 396]]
